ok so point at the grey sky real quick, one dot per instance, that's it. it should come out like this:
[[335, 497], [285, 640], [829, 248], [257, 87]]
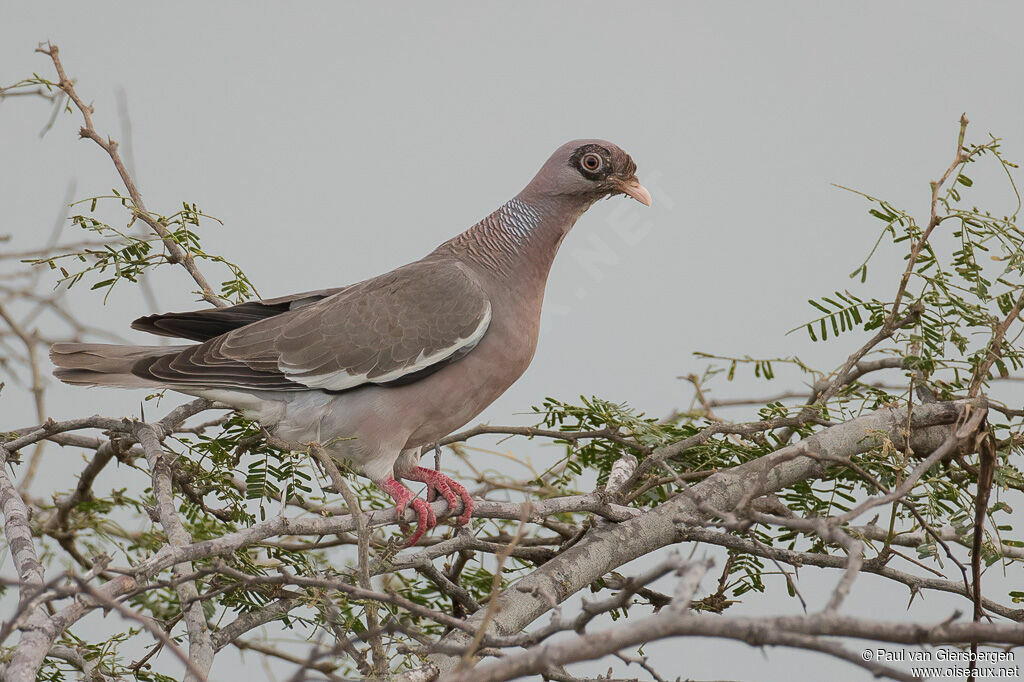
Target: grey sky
[[338, 141]]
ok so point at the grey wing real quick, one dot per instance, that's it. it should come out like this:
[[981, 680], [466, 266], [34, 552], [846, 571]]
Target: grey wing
[[389, 330]]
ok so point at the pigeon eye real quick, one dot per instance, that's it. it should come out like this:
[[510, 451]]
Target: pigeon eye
[[591, 162]]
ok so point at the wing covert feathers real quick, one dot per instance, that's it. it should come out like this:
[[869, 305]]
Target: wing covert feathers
[[389, 330]]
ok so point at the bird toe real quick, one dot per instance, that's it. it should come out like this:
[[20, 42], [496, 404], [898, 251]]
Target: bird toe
[[450, 489], [425, 520], [467, 507]]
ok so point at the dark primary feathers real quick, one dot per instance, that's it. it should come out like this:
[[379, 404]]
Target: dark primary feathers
[[202, 325]]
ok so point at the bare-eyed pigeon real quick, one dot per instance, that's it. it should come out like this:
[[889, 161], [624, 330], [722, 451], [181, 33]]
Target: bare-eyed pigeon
[[379, 369]]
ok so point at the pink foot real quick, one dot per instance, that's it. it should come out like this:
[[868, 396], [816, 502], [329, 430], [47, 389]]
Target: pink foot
[[425, 518], [450, 489]]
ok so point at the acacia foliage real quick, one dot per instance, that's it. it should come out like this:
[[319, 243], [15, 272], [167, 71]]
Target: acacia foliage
[[949, 330]]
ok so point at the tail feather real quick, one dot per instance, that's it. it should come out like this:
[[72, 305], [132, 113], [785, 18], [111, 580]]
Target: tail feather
[[103, 364]]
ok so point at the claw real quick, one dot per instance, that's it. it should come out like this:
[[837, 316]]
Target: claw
[[450, 489], [425, 518]]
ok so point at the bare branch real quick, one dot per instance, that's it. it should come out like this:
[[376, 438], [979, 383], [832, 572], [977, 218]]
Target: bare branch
[[201, 648]]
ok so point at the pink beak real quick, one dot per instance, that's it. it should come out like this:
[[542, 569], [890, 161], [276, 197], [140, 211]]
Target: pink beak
[[633, 188]]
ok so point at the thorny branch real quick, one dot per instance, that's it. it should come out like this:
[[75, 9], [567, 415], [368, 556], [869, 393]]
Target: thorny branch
[[198, 566], [176, 254]]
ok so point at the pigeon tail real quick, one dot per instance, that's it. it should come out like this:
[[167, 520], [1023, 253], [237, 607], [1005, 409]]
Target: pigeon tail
[[101, 364]]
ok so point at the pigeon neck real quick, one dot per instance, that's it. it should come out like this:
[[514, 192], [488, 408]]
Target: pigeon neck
[[521, 238]]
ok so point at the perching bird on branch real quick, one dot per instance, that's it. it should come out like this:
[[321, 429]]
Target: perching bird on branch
[[379, 369]]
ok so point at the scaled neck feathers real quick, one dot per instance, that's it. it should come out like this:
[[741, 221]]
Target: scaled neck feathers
[[520, 239]]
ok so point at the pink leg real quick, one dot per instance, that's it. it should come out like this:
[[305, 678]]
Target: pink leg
[[402, 496], [450, 489]]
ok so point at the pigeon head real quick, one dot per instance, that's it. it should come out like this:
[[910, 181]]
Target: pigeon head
[[590, 170]]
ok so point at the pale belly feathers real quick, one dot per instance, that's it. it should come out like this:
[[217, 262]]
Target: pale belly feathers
[[369, 427]]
